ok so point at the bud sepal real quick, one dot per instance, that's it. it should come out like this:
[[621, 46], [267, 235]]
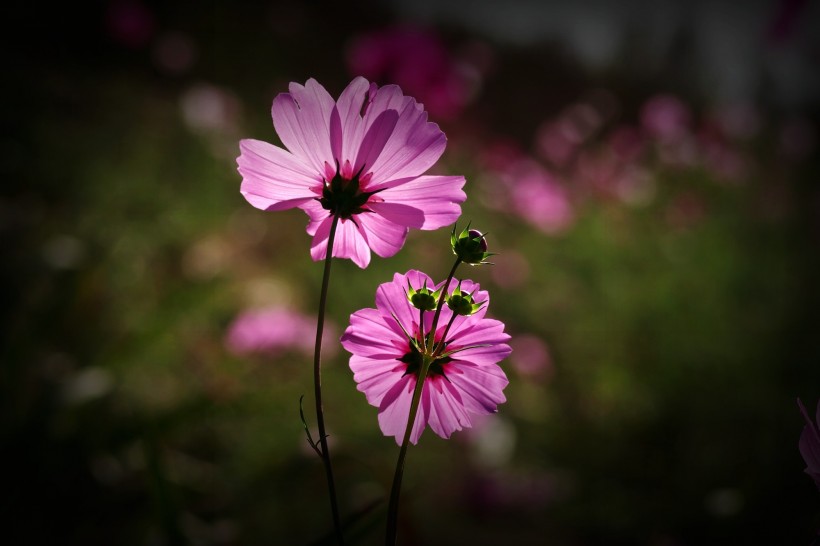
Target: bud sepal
[[462, 303], [470, 246], [423, 298]]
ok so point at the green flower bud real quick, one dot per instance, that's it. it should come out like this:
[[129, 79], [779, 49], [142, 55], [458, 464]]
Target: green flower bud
[[423, 298], [470, 246], [462, 303]]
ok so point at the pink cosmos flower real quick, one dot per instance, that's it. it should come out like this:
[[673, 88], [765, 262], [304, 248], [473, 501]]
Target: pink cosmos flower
[[361, 157], [810, 443], [464, 380]]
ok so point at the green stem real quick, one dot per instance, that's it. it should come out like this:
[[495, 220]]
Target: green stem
[[393, 507], [317, 381], [440, 347], [395, 491], [443, 295]]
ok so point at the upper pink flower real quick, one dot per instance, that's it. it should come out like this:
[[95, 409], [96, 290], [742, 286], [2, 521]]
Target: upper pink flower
[[464, 380], [361, 157], [810, 443]]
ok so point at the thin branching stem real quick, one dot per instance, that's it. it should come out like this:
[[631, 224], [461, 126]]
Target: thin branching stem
[[395, 490], [317, 382]]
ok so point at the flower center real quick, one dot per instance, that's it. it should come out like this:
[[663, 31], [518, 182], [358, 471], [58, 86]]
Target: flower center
[[414, 359], [343, 197]]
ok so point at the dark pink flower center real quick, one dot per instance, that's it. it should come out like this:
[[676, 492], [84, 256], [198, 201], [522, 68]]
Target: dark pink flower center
[[414, 359], [344, 197]]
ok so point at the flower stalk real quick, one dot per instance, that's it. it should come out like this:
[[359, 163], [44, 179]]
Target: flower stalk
[[324, 451], [428, 357]]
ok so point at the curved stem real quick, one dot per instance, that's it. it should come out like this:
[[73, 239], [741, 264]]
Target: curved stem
[[442, 342], [441, 300], [395, 490], [317, 382]]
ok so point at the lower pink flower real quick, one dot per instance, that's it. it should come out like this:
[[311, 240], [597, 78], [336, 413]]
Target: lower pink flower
[[465, 379]]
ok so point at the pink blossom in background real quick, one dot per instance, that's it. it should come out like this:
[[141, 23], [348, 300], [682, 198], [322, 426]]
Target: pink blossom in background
[[810, 443], [558, 140], [464, 382], [416, 60], [626, 142], [554, 145], [500, 154], [531, 356], [273, 330], [725, 162], [363, 157], [511, 272], [666, 117], [538, 197]]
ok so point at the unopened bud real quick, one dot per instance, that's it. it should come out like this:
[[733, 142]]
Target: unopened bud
[[462, 303], [423, 298], [470, 246]]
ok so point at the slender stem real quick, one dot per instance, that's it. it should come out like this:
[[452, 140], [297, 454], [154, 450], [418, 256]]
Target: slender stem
[[441, 298], [395, 491], [440, 346], [393, 507], [317, 381], [422, 339]]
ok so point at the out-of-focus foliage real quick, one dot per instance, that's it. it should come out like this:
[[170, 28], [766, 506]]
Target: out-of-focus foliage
[[657, 268]]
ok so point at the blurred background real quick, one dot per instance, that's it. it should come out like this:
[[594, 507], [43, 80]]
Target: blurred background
[[647, 171]]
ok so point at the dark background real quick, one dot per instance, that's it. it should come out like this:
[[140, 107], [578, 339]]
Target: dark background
[[659, 278]]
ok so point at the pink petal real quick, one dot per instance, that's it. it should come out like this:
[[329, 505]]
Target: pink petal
[[272, 178], [484, 331], [394, 411], [484, 356], [415, 145], [391, 298], [447, 413], [371, 336], [349, 242], [374, 141], [302, 121], [384, 237], [350, 129], [810, 444], [436, 197], [374, 377], [481, 387]]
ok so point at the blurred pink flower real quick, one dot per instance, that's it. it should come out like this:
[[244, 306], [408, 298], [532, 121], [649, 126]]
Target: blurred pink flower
[[538, 197], [554, 144], [666, 117], [626, 142], [511, 272], [416, 60], [273, 330], [810, 443], [463, 381], [531, 356], [362, 158], [557, 140]]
